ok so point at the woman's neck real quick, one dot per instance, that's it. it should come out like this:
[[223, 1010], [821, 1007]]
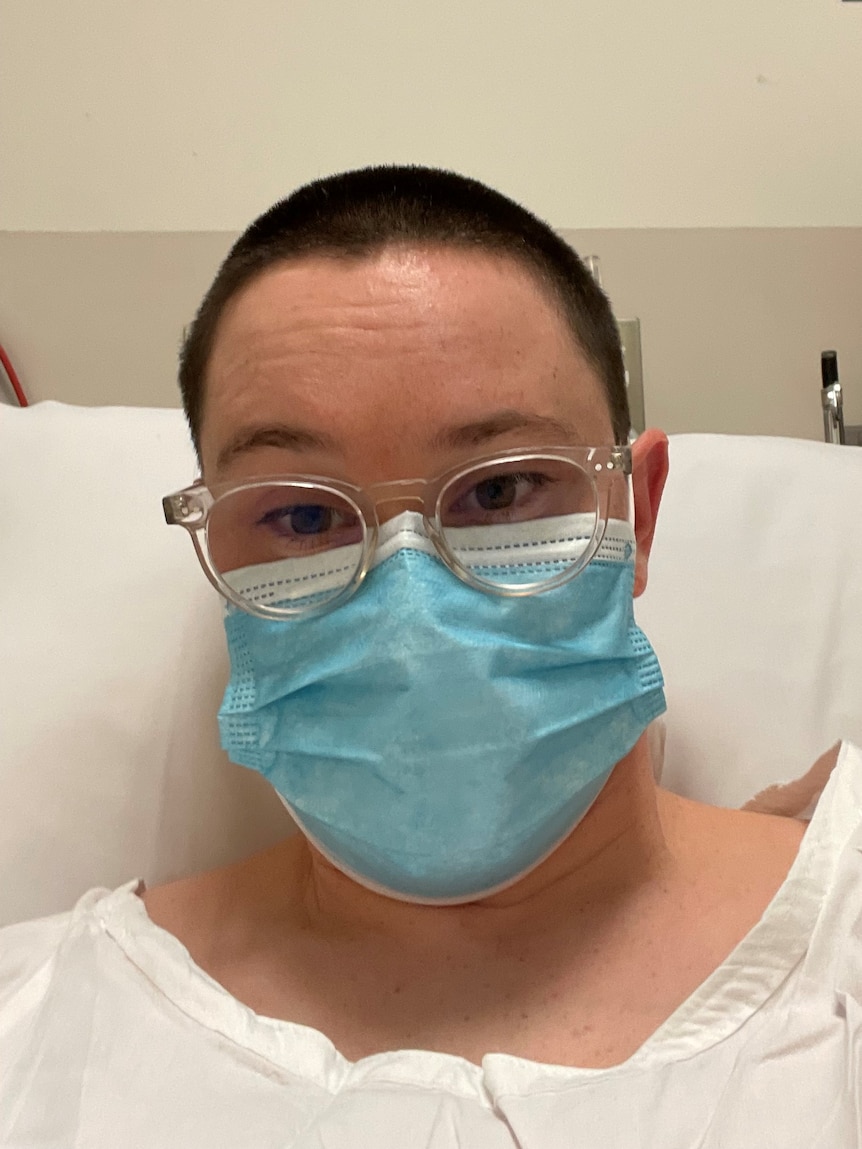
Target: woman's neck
[[617, 851]]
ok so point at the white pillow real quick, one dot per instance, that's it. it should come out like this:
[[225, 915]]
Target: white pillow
[[113, 663], [754, 606]]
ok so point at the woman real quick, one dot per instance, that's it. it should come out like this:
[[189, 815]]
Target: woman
[[494, 929]]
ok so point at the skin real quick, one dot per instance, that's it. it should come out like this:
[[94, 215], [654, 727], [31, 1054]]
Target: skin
[[582, 959]]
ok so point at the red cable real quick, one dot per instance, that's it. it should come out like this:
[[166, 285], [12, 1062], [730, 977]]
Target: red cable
[[13, 378]]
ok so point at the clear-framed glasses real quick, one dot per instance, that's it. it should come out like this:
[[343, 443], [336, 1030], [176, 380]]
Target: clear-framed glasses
[[516, 523]]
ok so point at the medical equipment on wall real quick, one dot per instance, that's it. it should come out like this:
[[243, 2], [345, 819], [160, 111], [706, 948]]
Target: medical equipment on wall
[[831, 399], [630, 338], [11, 376], [832, 402]]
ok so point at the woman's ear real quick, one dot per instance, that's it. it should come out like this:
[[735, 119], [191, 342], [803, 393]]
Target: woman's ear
[[649, 471]]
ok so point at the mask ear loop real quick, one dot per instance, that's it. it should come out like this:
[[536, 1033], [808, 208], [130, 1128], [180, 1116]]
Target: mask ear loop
[[630, 502]]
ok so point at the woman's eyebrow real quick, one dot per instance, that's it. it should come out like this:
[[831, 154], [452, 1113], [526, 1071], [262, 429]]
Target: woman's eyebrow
[[471, 434], [501, 423], [274, 435]]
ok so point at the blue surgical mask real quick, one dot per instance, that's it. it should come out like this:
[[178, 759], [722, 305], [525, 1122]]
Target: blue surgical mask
[[436, 742]]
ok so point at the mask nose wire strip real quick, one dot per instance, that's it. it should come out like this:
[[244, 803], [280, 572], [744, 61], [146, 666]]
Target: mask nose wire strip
[[515, 545]]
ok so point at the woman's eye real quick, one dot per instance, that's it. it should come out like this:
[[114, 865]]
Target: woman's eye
[[300, 519], [503, 497], [502, 492], [498, 493]]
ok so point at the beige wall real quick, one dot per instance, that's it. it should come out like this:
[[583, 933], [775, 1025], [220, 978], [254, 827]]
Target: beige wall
[[733, 321], [185, 115]]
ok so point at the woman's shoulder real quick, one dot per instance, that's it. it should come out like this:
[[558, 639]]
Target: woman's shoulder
[[30, 947]]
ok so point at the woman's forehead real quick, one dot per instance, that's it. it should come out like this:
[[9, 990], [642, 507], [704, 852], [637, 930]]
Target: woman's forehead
[[405, 342]]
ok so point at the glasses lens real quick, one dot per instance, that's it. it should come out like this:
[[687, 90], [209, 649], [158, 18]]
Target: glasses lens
[[520, 522], [286, 546]]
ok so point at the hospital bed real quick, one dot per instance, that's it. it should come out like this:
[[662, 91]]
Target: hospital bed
[[112, 660]]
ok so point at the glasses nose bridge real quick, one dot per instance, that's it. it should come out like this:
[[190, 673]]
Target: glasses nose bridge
[[407, 494]]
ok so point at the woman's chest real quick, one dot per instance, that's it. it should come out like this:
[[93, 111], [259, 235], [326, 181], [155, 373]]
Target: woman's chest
[[367, 1006]]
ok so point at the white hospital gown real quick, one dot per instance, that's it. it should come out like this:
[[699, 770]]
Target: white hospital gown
[[111, 1038]]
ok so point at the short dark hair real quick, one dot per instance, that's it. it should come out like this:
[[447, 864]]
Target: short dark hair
[[358, 213]]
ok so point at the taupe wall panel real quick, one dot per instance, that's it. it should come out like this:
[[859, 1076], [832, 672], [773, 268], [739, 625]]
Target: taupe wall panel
[[733, 321], [96, 317]]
